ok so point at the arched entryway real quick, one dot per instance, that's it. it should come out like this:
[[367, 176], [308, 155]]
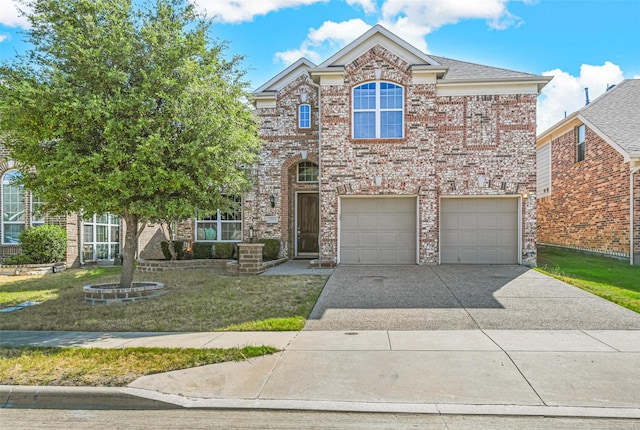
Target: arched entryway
[[304, 208]]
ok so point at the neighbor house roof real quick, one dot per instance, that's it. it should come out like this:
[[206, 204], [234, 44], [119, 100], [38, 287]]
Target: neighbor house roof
[[614, 116]]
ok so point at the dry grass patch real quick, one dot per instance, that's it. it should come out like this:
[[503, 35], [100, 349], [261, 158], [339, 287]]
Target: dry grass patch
[[106, 367], [197, 300]]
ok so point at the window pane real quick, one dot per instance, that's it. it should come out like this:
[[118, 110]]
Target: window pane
[[115, 233], [206, 231], [390, 96], [390, 124], [101, 233], [87, 252], [304, 116], [364, 96], [307, 172], [88, 234], [12, 232], [231, 231], [102, 251], [581, 133], [102, 219], [364, 125]]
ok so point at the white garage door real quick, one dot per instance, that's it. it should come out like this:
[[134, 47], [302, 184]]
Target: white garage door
[[479, 230], [378, 230]]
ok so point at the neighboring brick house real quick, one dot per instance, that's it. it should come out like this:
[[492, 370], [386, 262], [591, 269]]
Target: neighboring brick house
[[385, 155], [91, 238], [588, 181]]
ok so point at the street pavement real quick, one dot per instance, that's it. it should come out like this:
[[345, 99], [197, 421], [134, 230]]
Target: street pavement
[[527, 345]]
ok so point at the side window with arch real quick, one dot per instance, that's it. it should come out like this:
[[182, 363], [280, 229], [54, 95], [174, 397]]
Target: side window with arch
[[304, 116], [13, 220]]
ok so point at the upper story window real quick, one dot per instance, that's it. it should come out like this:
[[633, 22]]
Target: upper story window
[[221, 226], [13, 221], [580, 142], [307, 172], [378, 111], [304, 116]]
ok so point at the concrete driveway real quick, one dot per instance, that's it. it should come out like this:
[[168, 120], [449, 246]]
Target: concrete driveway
[[460, 297]]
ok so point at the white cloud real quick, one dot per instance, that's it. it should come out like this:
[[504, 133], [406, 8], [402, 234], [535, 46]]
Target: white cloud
[[411, 20], [331, 34], [3, 37], [11, 16], [235, 11], [368, 6], [565, 93]]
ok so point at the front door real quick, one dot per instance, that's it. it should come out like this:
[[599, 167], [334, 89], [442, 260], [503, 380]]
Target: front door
[[307, 225]]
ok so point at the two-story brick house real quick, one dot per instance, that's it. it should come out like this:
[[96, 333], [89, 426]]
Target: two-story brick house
[[588, 180], [385, 155]]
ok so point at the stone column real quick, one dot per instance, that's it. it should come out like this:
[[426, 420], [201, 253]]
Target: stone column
[[250, 258]]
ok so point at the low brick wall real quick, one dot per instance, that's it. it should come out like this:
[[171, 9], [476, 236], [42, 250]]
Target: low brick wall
[[168, 265], [31, 269], [112, 293]]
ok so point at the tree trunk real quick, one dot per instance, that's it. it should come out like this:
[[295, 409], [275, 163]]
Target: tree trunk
[[129, 249]]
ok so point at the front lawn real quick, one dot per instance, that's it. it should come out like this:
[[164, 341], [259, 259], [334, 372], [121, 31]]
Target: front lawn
[[99, 367], [610, 278], [198, 300]]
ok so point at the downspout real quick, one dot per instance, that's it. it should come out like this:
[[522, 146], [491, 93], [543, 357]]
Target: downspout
[[319, 168], [634, 170]]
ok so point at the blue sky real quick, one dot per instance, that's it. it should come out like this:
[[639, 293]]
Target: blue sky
[[582, 43]]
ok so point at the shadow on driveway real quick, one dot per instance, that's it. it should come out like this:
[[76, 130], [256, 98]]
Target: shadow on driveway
[[457, 297]]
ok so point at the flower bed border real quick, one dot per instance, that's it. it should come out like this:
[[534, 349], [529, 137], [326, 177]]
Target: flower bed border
[[31, 269], [113, 293]]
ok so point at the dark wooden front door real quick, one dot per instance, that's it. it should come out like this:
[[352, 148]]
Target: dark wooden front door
[[307, 223]]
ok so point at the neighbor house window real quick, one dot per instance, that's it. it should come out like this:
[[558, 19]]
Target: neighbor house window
[[37, 214], [307, 172], [223, 225], [580, 142], [378, 111], [12, 208], [304, 116], [101, 239]]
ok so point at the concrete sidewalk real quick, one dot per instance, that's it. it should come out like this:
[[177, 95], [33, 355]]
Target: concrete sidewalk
[[581, 373]]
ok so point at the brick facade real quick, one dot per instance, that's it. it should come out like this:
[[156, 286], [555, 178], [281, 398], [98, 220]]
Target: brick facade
[[588, 208], [449, 141]]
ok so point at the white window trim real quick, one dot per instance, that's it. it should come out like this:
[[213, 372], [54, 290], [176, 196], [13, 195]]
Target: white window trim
[[543, 163], [377, 110], [300, 116], [218, 226], [93, 222], [2, 221]]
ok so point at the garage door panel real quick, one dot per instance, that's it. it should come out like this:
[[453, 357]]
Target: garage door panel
[[378, 230], [479, 230]]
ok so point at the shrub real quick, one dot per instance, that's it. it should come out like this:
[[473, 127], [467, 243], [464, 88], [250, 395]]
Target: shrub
[[202, 250], [44, 244], [224, 250], [271, 249], [178, 246], [17, 259]]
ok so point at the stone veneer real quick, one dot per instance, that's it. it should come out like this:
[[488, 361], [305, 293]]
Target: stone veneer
[[449, 141]]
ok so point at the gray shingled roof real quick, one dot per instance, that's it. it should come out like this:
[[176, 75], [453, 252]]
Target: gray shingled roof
[[616, 114], [463, 70]]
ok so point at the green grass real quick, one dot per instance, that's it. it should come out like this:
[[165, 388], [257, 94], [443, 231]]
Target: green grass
[[197, 300], [106, 367], [612, 279]]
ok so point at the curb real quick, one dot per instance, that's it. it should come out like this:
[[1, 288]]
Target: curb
[[105, 398], [41, 397]]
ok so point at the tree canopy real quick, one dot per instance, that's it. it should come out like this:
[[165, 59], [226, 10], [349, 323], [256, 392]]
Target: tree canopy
[[127, 107]]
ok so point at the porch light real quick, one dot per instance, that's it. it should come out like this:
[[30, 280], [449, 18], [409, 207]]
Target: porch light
[[252, 234], [272, 200]]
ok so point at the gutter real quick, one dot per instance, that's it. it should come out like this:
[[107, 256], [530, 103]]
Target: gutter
[[634, 170], [319, 168]]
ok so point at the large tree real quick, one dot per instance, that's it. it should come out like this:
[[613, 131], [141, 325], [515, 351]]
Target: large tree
[[127, 107]]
